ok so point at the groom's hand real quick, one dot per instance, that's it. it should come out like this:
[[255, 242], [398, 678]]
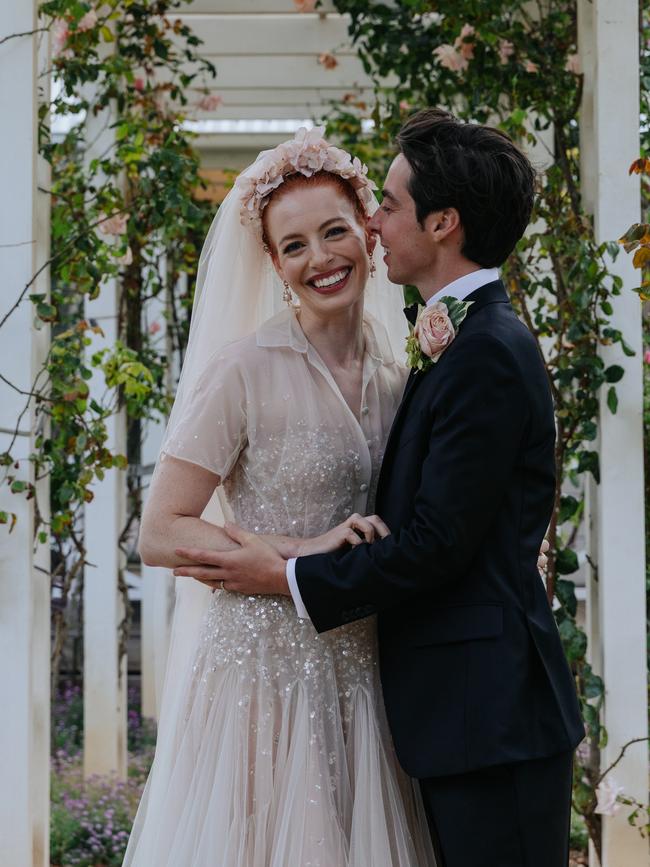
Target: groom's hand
[[253, 568]]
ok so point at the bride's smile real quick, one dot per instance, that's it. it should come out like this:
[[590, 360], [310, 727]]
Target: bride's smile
[[332, 281]]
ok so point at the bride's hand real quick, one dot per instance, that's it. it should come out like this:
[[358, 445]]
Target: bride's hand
[[353, 531], [542, 559]]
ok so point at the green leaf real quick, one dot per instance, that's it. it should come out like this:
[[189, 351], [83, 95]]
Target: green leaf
[[589, 462], [612, 399], [9, 518], [566, 561], [568, 507], [566, 593], [614, 373], [18, 486]]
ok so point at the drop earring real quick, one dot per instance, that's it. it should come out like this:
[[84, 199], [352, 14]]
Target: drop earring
[[287, 297], [373, 267]]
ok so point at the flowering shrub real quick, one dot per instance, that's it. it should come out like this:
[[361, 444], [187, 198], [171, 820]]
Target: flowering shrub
[[91, 819]]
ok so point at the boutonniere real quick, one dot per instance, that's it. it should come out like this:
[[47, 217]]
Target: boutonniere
[[434, 331]]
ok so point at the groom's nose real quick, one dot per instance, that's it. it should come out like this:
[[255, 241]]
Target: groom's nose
[[373, 222]]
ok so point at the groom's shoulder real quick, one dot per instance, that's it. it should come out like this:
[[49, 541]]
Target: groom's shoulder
[[491, 343], [501, 323]]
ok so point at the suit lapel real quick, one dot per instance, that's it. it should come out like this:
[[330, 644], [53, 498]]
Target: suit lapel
[[490, 293]]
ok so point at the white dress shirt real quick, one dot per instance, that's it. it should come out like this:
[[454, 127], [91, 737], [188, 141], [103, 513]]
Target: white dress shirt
[[460, 289]]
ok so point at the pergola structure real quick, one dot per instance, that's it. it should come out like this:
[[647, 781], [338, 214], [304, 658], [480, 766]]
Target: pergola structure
[[270, 80]]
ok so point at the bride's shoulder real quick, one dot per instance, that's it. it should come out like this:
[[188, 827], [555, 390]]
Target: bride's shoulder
[[248, 352]]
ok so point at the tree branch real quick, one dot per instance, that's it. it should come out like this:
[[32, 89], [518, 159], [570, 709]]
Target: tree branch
[[620, 756], [26, 33]]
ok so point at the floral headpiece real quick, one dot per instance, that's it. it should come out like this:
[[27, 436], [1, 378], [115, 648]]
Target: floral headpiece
[[306, 154]]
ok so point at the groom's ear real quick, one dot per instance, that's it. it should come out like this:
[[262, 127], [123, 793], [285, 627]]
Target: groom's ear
[[441, 224]]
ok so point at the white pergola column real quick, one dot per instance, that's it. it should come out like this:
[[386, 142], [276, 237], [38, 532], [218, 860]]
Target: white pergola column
[[158, 584], [24, 566], [609, 46], [158, 590], [105, 670]]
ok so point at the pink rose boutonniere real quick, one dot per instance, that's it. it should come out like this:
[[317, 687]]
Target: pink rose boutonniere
[[434, 331]]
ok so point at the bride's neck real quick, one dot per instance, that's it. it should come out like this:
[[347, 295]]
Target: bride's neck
[[338, 339]]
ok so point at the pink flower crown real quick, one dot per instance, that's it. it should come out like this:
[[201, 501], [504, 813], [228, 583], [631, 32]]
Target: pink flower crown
[[306, 154]]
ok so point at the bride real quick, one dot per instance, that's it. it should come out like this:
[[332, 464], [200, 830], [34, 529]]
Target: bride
[[273, 747]]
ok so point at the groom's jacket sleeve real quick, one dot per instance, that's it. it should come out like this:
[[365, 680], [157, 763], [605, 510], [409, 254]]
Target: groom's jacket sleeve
[[477, 413]]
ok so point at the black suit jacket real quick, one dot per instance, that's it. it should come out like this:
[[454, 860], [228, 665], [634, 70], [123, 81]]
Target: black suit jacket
[[472, 666]]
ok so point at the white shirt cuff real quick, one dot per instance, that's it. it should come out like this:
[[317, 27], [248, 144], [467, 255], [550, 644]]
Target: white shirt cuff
[[293, 587]]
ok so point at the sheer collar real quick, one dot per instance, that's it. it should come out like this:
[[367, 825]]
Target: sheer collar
[[283, 329]]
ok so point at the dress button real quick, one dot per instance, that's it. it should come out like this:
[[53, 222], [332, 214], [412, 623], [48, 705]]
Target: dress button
[[364, 410], [363, 488]]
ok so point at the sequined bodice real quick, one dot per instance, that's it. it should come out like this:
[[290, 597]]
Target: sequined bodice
[[304, 464]]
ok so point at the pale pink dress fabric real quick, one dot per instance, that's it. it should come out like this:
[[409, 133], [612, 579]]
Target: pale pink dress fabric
[[282, 756]]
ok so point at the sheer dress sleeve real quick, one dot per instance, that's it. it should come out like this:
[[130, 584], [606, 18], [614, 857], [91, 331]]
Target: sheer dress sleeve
[[209, 428]]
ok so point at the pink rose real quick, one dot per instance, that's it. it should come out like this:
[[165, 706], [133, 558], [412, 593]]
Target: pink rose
[[506, 50], [305, 5], [463, 45], [646, 356], [531, 67], [449, 58], [210, 102], [607, 794], [434, 330], [138, 83], [88, 21], [115, 225], [327, 60], [60, 33]]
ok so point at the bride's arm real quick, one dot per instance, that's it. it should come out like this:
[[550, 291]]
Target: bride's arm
[[179, 493], [171, 519]]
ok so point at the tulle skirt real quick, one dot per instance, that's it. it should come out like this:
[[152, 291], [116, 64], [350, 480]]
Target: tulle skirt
[[279, 753]]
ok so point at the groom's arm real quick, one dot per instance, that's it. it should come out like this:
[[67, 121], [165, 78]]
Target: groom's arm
[[481, 412]]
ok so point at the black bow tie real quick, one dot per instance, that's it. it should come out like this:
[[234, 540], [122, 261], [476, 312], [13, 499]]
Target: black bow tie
[[411, 313]]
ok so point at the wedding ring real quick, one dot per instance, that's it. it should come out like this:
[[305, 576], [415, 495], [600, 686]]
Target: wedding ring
[[221, 585]]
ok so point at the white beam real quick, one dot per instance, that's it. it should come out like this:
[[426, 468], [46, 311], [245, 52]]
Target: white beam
[[105, 670], [300, 110], [292, 95], [610, 141], [285, 35], [266, 73], [237, 7], [24, 588]]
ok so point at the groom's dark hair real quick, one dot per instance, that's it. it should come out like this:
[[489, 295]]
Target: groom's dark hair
[[476, 169]]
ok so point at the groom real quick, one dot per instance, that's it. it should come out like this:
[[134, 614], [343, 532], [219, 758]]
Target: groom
[[480, 700]]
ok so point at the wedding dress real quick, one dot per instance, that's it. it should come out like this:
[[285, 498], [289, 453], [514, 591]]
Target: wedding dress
[[279, 753]]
